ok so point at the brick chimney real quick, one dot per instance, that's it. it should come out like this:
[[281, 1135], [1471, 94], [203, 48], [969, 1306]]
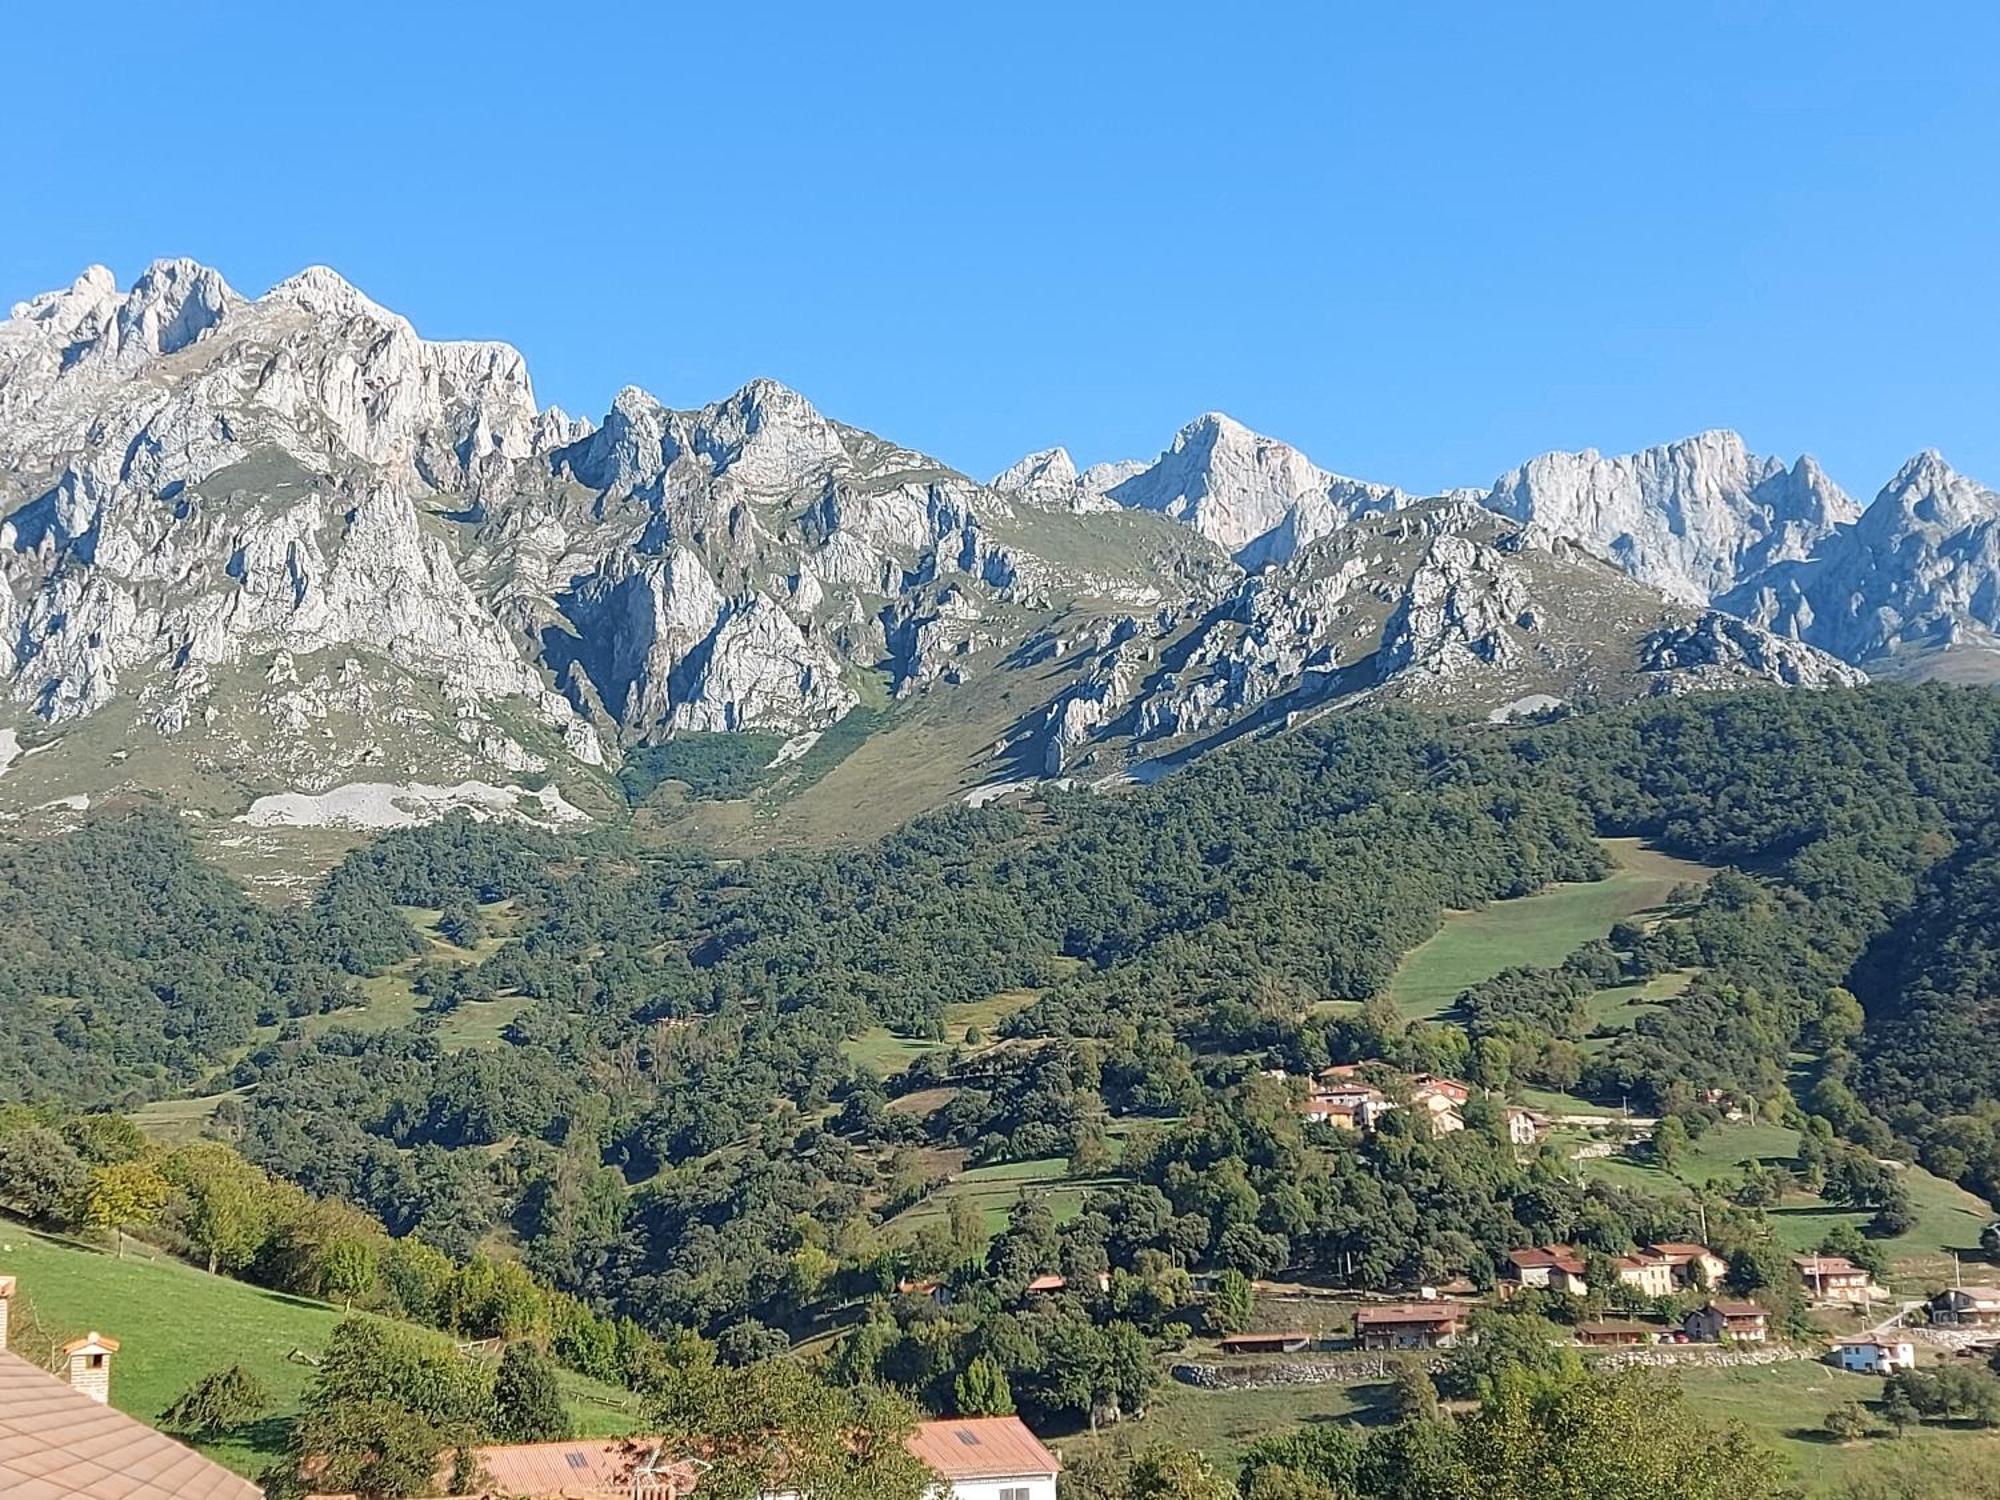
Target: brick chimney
[[6, 1304], [90, 1365]]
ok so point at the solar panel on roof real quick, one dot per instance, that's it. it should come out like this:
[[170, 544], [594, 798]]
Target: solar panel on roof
[[577, 1460], [968, 1437]]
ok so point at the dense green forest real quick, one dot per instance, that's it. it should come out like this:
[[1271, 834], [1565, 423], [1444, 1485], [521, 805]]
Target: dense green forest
[[674, 1130]]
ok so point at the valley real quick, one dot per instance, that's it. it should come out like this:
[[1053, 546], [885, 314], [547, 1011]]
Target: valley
[[703, 897]]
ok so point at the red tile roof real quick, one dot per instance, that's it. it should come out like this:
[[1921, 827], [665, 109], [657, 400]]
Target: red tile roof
[[963, 1448], [1410, 1312], [1562, 1257], [613, 1469], [59, 1444], [1738, 1309], [1826, 1265], [981, 1448]]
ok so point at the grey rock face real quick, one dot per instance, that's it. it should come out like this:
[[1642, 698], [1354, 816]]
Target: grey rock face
[[1920, 569], [1690, 518], [1254, 497], [1455, 614], [1100, 695], [1721, 651], [1050, 477], [189, 479], [1277, 630], [291, 531]]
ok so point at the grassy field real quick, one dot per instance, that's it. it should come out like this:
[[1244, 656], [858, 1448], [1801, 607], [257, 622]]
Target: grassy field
[[1785, 1404], [886, 1052], [1223, 1423], [175, 1323], [175, 1122], [1618, 1007], [1542, 929], [995, 1190], [392, 1003], [1948, 1218]]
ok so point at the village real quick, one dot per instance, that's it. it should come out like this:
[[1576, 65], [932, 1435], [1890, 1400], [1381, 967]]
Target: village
[[1671, 1295], [61, 1436]]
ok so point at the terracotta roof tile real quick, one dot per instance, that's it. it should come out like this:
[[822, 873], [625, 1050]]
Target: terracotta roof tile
[[1410, 1312], [57, 1444], [981, 1448]]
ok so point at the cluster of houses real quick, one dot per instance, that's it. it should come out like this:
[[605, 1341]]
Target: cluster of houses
[[1439, 1322], [1339, 1096], [1659, 1270]]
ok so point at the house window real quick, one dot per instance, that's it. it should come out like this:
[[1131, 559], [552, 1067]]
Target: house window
[[1015, 1494]]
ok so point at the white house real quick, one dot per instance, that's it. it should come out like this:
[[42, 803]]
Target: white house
[[974, 1458], [986, 1458], [1872, 1356]]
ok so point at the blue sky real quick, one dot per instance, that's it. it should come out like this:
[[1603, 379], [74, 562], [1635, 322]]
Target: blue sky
[[1422, 242]]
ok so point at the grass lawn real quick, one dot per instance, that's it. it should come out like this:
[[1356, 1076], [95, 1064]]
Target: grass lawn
[[995, 1190], [175, 1323], [392, 1003], [1617, 1008], [175, 1122], [1542, 929], [1223, 1423], [1785, 1403], [887, 1053], [1948, 1217]]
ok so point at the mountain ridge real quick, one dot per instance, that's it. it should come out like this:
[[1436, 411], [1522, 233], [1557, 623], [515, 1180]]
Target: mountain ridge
[[308, 545]]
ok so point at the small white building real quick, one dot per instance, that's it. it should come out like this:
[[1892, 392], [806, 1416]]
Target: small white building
[[986, 1458], [1872, 1356], [974, 1458]]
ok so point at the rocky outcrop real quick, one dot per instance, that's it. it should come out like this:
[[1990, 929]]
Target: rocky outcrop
[[1050, 478], [1691, 518], [1277, 632], [1919, 570], [1100, 695], [1459, 613], [1256, 498], [1721, 651], [665, 650]]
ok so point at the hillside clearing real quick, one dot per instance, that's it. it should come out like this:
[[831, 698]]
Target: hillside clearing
[[1540, 930], [1948, 1219], [176, 1323]]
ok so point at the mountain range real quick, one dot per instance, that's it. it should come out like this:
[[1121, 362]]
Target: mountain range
[[283, 559]]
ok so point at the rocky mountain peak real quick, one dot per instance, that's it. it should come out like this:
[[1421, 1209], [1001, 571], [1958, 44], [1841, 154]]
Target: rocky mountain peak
[[1050, 468], [1927, 494], [324, 292], [1050, 478], [767, 435], [1258, 499], [91, 328], [1689, 517]]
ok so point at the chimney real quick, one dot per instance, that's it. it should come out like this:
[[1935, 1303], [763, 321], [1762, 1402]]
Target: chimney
[[90, 1365], [6, 1303]]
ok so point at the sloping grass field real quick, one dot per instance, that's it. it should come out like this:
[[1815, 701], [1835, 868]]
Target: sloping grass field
[[175, 1323], [1541, 930]]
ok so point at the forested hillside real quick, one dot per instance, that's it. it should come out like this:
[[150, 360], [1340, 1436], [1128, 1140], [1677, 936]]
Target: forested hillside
[[731, 1097], [1934, 989]]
